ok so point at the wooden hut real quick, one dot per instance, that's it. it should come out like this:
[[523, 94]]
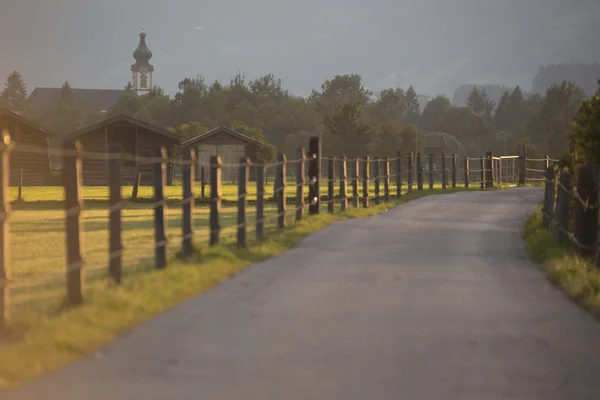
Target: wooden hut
[[30, 159], [436, 143], [228, 144], [136, 138]]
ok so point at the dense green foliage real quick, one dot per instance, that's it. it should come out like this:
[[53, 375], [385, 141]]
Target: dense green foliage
[[349, 117], [584, 136]]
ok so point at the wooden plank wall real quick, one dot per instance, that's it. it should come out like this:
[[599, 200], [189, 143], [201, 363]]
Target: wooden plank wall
[[35, 165]]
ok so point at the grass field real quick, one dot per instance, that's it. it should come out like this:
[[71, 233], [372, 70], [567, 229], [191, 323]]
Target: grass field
[[578, 277]]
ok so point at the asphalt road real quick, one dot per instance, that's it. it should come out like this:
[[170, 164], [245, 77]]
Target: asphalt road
[[434, 299]]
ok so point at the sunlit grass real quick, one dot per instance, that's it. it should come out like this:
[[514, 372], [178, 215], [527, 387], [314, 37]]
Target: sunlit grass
[[578, 277]]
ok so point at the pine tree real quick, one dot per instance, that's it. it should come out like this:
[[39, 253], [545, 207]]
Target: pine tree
[[14, 94], [412, 109], [502, 115], [476, 101], [66, 94]]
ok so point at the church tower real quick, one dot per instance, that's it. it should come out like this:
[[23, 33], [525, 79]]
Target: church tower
[[142, 69]]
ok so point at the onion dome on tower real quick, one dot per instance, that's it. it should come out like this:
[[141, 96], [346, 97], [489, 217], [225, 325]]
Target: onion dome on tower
[[142, 69]]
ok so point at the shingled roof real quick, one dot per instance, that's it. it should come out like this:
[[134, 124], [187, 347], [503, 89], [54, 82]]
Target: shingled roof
[[101, 99]]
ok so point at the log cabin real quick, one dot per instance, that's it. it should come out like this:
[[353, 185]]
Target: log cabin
[[30, 158], [228, 144], [135, 138]]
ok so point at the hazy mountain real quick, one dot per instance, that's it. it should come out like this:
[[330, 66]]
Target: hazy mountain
[[436, 45]]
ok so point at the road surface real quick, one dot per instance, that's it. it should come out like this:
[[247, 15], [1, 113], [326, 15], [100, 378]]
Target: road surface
[[434, 299]]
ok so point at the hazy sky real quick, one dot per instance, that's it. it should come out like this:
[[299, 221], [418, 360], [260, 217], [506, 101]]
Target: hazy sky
[[434, 44]]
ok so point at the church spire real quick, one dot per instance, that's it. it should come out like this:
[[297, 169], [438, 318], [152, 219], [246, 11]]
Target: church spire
[[142, 69]]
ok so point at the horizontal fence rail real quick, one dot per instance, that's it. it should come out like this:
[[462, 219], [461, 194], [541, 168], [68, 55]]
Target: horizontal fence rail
[[72, 234]]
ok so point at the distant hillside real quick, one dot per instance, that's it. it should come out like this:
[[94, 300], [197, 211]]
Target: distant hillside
[[585, 76]]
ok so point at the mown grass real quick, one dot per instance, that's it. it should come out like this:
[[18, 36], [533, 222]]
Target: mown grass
[[579, 278], [45, 335]]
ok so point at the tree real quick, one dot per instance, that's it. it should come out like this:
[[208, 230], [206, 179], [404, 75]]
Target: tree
[[584, 135], [388, 107], [14, 94], [190, 130], [342, 89], [347, 130], [559, 107], [412, 108], [502, 116], [434, 113], [388, 139], [128, 87], [66, 94], [267, 152], [411, 139]]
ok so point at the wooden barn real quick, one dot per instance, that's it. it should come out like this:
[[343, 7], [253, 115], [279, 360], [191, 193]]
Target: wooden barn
[[32, 164], [135, 137], [228, 144]]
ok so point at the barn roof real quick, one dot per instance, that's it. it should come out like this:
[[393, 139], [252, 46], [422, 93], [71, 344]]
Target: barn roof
[[100, 98], [128, 120], [222, 129], [5, 112]]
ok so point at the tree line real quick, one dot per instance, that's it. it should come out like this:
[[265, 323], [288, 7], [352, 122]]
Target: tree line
[[350, 118]]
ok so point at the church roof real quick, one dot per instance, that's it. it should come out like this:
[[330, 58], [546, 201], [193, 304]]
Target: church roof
[[101, 99]]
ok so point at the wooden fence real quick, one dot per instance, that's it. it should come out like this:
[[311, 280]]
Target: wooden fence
[[570, 208], [350, 182]]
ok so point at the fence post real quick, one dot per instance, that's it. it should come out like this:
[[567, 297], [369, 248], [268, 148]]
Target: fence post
[[187, 173], [301, 157], [499, 172], [377, 174], [355, 177], [549, 199], [260, 202], [547, 161], [366, 164], [276, 182], [20, 188], [411, 169], [136, 185], [454, 166], [489, 170], [5, 270], [561, 216], [160, 239], [444, 176], [244, 178], [343, 180], [467, 173], [513, 174], [523, 165], [586, 215], [386, 179], [419, 173], [72, 181], [202, 182], [331, 185], [398, 174], [281, 200], [314, 163], [483, 172], [215, 198], [115, 203], [430, 171]]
